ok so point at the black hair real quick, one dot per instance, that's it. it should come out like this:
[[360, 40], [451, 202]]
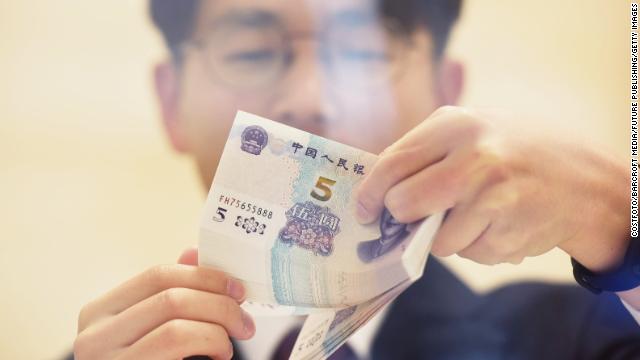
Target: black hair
[[175, 19]]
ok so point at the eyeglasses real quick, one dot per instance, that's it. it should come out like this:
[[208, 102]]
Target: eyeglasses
[[254, 54]]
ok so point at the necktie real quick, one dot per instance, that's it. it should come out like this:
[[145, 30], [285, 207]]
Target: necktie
[[283, 350]]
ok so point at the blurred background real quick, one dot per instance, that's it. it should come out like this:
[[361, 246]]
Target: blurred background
[[91, 193]]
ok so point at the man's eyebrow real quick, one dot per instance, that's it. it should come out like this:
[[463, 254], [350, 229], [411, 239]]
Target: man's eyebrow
[[246, 18]]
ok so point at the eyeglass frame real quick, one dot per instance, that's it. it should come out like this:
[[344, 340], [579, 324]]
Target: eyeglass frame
[[390, 27]]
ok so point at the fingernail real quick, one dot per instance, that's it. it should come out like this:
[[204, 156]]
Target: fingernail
[[249, 326], [362, 214], [235, 289]]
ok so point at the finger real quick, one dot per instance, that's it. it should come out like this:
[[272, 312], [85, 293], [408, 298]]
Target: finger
[[467, 172], [517, 258], [471, 218], [462, 226], [491, 248], [176, 303], [155, 280], [423, 146], [387, 172], [177, 339], [189, 257], [459, 120], [503, 240], [433, 189]]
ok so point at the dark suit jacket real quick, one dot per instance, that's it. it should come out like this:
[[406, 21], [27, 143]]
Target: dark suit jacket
[[439, 318]]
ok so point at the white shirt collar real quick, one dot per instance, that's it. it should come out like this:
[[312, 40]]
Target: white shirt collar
[[635, 313]]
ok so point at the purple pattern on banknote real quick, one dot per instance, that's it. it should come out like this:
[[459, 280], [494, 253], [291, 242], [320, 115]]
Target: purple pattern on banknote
[[310, 227], [341, 316], [392, 233]]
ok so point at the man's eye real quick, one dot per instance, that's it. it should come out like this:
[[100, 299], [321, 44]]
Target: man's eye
[[252, 56], [365, 55]]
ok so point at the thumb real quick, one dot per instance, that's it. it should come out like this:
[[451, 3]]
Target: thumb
[[189, 257]]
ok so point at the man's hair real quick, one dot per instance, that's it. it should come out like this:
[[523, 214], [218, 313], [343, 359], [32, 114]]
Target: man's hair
[[175, 19]]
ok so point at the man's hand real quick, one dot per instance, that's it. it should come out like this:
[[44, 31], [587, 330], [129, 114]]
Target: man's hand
[[509, 195], [167, 312]]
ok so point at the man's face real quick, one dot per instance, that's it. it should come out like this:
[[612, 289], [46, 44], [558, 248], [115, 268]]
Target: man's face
[[330, 67]]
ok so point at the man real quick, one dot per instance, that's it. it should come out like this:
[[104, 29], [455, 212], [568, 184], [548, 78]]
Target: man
[[368, 73]]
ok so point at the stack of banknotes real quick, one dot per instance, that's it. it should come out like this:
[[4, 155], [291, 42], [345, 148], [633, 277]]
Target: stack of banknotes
[[280, 217]]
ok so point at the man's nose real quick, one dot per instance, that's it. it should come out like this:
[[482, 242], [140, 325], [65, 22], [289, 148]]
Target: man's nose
[[303, 99]]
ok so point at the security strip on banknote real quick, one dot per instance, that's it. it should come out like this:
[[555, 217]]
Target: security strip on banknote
[[280, 218]]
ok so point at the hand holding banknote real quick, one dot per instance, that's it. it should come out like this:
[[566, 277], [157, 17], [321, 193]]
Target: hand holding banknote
[[509, 193], [166, 312]]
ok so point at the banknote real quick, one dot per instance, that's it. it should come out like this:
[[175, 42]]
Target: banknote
[[324, 332], [279, 217]]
